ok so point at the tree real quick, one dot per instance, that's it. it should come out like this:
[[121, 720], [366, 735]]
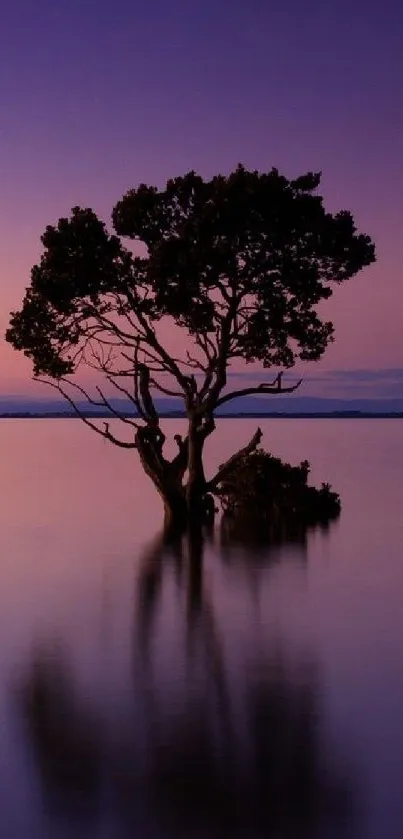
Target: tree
[[238, 264]]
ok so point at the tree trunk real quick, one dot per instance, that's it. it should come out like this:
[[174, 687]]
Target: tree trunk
[[168, 485], [196, 485], [175, 511], [185, 507]]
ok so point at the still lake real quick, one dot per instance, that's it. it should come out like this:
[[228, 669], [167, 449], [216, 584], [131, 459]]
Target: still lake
[[253, 692]]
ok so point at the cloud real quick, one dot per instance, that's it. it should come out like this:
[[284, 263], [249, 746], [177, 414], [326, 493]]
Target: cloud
[[361, 375], [379, 383]]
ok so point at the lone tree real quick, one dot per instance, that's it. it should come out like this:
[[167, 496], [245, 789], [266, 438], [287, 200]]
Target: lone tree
[[238, 264]]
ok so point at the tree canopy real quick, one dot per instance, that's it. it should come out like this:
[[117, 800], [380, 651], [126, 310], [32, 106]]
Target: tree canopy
[[238, 263]]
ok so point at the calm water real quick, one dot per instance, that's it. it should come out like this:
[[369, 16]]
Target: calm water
[[253, 693]]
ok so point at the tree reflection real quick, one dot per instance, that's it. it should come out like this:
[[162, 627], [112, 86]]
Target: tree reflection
[[63, 734], [251, 539], [230, 752]]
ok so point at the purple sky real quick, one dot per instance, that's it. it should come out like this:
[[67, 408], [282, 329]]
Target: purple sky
[[96, 96]]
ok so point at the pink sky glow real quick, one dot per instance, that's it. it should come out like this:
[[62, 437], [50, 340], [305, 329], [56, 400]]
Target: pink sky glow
[[84, 131]]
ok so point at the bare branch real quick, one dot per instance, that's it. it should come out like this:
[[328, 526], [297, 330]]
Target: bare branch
[[272, 388], [144, 380], [115, 412], [147, 354], [109, 326], [226, 468], [223, 333], [123, 390], [137, 399], [160, 387], [123, 445], [103, 433], [207, 345], [152, 340], [195, 363], [210, 351]]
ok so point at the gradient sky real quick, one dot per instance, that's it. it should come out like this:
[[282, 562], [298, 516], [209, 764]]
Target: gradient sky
[[98, 95]]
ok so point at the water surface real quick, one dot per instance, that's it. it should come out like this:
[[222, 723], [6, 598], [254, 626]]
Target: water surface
[[214, 689]]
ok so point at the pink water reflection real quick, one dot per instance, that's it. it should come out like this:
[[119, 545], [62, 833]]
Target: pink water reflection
[[77, 519]]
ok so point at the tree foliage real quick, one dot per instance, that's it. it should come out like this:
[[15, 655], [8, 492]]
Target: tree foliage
[[244, 259], [265, 490]]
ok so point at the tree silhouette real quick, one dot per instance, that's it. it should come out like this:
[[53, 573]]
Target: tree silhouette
[[238, 264]]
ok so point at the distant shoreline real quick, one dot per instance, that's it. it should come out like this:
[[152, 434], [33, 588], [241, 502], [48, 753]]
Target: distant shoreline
[[179, 415]]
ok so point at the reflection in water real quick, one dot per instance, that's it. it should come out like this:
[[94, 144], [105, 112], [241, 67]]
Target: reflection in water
[[211, 750], [64, 737], [237, 533]]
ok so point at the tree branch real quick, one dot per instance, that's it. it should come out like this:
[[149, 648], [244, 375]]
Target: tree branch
[[150, 411], [121, 389], [160, 387], [179, 463], [103, 433], [207, 428], [153, 342], [272, 387], [115, 412], [226, 468], [221, 361]]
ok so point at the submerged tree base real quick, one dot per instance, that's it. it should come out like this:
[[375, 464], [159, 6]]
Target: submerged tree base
[[264, 497]]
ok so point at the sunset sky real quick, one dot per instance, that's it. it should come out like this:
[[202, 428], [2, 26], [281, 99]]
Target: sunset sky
[[98, 95]]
